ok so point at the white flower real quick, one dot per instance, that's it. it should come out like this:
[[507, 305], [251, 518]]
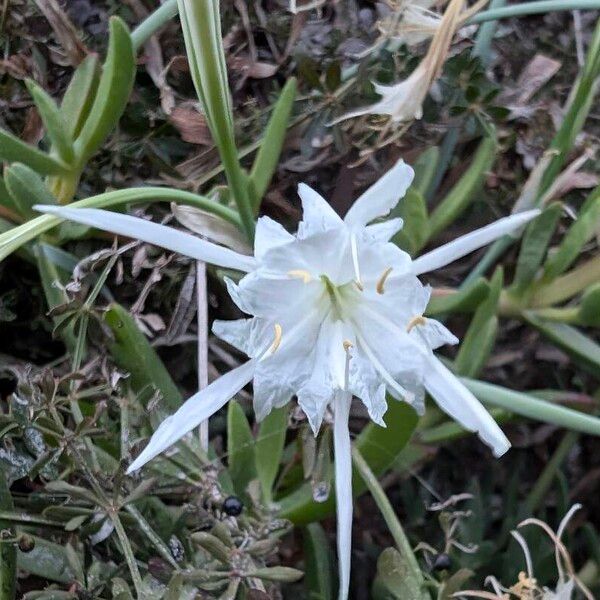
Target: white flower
[[403, 101], [336, 311]]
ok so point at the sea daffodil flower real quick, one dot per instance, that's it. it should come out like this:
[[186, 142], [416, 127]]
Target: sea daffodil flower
[[336, 311]]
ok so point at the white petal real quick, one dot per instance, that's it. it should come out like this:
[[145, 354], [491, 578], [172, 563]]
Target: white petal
[[195, 410], [269, 234], [211, 226], [343, 490], [251, 336], [434, 334], [366, 384], [317, 214], [382, 196], [462, 246], [153, 233], [384, 231], [459, 403]]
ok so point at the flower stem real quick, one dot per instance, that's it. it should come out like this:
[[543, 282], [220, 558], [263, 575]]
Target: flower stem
[[128, 553], [387, 512], [151, 24], [13, 239], [532, 8]]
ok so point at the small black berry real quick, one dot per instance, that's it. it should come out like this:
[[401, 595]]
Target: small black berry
[[232, 506], [442, 562]]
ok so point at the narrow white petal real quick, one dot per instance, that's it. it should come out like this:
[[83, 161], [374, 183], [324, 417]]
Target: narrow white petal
[[195, 410], [317, 214], [269, 234], [465, 244], [459, 403], [384, 231], [343, 489], [382, 196], [153, 233]]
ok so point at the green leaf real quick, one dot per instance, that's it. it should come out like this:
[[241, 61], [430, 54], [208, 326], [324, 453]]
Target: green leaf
[[318, 563], [269, 448], [79, 96], [47, 560], [581, 100], [8, 550], [464, 191], [589, 309], [413, 211], [240, 448], [379, 446], [465, 299], [6, 200], [425, 168], [582, 349], [455, 583], [533, 247], [133, 353], [26, 189], [53, 120], [579, 234], [479, 340], [267, 157], [116, 83], [12, 149], [395, 579], [531, 407], [54, 292]]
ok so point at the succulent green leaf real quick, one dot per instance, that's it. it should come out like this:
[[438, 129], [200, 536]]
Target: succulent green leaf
[[12, 149], [53, 120], [26, 188], [79, 96], [113, 92]]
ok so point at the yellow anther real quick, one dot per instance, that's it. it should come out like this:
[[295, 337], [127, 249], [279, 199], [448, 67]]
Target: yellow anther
[[300, 274], [416, 320], [277, 340], [347, 345], [382, 279]]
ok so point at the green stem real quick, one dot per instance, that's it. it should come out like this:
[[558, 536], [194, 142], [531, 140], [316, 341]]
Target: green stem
[[560, 315], [387, 512], [160, 546], [152, 23], [544, 481], [15, 238], [128, 553], [568, 285], [532, 8], [8, 551]]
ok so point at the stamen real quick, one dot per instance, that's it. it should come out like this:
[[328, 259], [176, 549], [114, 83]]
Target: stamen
[[300, 274], [277, 340], [381, 280], [416, 320], [354, 249], [347, 345]]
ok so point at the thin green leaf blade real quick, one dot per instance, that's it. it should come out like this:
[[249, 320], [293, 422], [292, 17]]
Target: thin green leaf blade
[[463, 193], [318, 563], [534, 245], [240, 448], [267, 157], [269, 448], [415, 232], [479, 340]]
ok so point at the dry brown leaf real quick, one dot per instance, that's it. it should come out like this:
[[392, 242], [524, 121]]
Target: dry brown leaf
[[191, 124], [66, 33]]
